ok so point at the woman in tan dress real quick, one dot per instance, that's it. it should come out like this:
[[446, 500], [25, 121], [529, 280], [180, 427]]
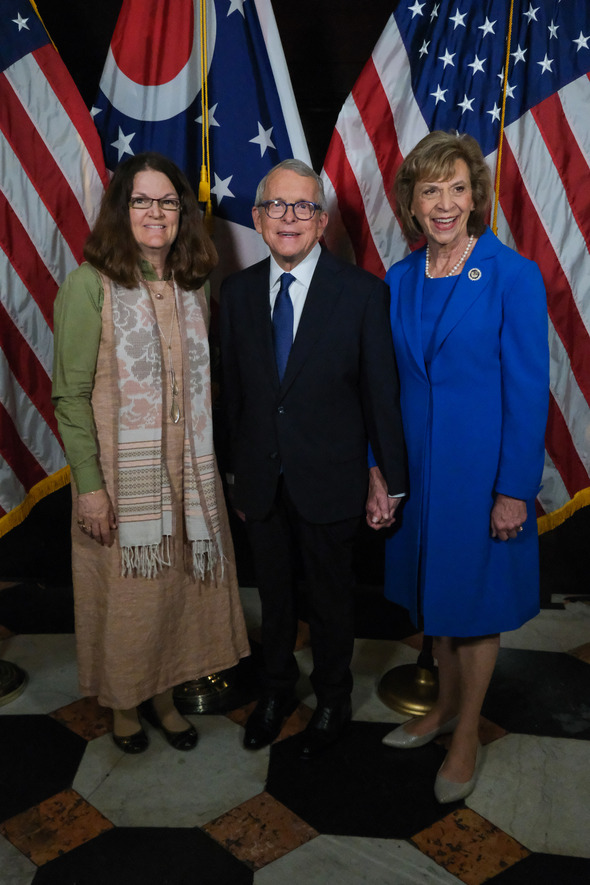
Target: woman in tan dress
[[156, 596]]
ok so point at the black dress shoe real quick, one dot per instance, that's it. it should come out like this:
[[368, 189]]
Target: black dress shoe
[[324, 728], [266, 720], [132, 743]]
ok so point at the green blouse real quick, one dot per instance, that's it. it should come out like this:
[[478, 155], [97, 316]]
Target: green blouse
[[77, 316]]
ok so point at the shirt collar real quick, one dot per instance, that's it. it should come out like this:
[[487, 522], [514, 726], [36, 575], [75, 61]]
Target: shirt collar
[[303, 272]]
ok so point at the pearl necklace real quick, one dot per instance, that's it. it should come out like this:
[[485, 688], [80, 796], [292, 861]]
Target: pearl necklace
[[455, 266]]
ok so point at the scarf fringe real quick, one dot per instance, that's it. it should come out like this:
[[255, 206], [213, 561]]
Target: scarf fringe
[[205, 556], [145, 561]]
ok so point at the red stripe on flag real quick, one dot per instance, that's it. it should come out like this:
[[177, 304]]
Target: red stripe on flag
[[567, 157], [374, 108], [24, 465], [25, 260], [27, 369], [70, 99], [531, 240], [558, 442], [42, 170], [352, 209]]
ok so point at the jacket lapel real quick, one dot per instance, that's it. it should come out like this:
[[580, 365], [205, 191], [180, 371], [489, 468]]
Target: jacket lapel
[[472, 282], [410, 293], [321, 300], [261, 325]]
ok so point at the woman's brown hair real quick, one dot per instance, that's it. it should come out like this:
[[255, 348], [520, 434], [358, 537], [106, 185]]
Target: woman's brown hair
[[112, 248], [433, 159]]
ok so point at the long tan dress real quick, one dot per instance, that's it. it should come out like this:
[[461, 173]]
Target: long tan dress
[[137, 637]]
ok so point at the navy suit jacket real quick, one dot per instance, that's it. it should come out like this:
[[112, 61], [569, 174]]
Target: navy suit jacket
[[340, 391]]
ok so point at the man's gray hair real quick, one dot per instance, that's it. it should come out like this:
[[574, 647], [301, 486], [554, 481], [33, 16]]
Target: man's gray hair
[[300, 168]]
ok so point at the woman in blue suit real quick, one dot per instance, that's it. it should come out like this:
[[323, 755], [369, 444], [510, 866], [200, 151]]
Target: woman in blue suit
[[469, 323]]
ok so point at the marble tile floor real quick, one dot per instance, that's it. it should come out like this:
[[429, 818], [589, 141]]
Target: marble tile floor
[[74, 809]]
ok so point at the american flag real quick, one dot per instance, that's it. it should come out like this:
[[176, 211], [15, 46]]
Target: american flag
[[150, 99], [51, 181], [440, 65]]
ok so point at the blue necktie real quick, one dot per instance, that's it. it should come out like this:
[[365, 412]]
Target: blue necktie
[[282, 322]]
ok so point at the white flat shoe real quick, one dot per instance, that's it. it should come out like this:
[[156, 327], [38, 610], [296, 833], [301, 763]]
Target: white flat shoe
[[402, 740], [450, 791]]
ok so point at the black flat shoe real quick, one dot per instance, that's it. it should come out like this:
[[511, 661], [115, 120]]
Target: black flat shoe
[[132, 743], [180, 740]]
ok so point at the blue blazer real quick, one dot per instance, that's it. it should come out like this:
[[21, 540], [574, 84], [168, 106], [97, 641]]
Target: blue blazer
[[474, 423]]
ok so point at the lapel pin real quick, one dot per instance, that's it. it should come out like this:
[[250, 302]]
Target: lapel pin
[[474, 273]]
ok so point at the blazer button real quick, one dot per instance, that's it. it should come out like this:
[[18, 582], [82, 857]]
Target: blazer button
[[281, 410], [273, 456]]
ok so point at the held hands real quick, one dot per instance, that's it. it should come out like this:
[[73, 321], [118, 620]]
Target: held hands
[[380, 508], [96, 517], [508, 515]]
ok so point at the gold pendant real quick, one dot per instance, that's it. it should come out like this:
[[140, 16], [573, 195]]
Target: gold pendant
[[175, 412]]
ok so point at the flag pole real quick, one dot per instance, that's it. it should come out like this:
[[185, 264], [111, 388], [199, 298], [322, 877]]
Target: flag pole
[[204, 195], [502, 116]]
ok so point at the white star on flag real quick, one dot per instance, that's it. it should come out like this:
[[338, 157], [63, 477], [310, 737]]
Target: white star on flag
[[212, 120], [221, 188], [236, 6], [519, 55], [21, 22], [439, 95], [122, 143], [582, 42], [416, 9], [487, 27], [546, 64], [495, 112], [466, 104], [447, 58], [477, 64], [458, 19], [531, 13], [263, 139]]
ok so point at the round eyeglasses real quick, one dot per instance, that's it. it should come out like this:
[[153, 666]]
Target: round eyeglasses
[[168, 204], [304, 210]]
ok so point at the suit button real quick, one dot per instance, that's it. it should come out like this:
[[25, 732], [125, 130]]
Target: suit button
[[273, 456], [281, 410]]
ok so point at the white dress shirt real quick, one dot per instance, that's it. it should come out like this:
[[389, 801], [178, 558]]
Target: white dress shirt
[[303, 272]]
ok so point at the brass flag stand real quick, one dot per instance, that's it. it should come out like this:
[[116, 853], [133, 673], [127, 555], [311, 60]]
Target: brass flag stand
[[411, 688]]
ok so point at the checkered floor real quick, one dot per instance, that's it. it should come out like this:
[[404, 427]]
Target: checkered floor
[[74, 809]]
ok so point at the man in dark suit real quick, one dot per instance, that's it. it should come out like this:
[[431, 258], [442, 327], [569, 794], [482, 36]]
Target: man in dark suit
[[309, 380]]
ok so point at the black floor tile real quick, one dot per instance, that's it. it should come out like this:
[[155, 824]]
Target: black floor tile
[[359, 787], [146, 856], [546, 869], [541, 693], [38, 758]]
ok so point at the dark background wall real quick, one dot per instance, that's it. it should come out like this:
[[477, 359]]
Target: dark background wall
[[326, 44]]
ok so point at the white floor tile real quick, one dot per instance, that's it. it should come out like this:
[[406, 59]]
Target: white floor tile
[[552, 630], [166, 787], [50, 662], [536, 789], [352, 861], [15, 868]]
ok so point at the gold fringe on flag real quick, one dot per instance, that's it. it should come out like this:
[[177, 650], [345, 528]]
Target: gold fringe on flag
[[204, 194], [37, 493], [500, 143]]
